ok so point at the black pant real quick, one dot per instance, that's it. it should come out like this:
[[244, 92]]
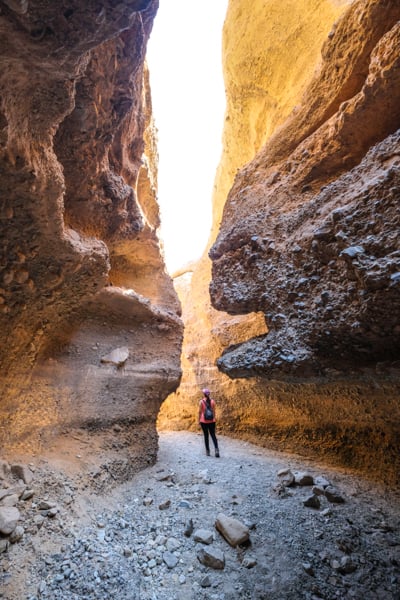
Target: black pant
[[209, 428]]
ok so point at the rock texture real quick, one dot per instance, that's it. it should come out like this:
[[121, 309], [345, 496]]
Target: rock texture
[[82, 272], [309, 239], [262, 82], [159, 535], [269, 53]]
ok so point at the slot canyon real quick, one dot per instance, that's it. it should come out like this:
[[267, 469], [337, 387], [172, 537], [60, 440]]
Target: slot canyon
[[291, 316]]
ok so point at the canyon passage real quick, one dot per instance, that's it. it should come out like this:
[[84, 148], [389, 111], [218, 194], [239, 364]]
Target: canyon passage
[[290, 317]]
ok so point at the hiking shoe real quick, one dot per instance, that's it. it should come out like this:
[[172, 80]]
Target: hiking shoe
[[207, 452], [217, 453]]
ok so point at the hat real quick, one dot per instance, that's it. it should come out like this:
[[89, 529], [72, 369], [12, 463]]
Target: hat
[[206, 391]]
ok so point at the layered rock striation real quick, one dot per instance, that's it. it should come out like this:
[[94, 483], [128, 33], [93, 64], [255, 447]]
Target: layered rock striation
[[82, 271]]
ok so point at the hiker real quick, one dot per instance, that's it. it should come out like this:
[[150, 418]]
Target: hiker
[[207, 421]]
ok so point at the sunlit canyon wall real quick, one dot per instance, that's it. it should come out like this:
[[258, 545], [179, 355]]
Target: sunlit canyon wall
[[90, 322], [300, 344]]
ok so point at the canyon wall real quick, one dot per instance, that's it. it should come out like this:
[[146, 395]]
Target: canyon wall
[[90, 322], [305, 266]]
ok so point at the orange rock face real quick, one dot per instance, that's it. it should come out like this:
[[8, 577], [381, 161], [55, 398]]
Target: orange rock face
[[309, 238], [82, 272]]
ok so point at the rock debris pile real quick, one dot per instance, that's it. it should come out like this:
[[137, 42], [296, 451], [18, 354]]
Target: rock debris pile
[[195, 527]]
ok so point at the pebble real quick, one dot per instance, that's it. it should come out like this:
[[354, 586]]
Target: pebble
[[189, 527], [205, 582], [211, 557], [170, 560], [333, 495], [249, 562], [312, 501], [286, 477], [204, 536]]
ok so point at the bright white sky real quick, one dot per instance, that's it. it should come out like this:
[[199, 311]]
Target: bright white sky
[[184, 58]]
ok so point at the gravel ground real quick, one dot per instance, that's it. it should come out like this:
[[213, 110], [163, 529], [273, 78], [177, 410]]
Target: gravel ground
[[135, 541]]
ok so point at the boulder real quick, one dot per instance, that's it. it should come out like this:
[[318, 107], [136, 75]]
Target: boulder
[[304, 479], [22, 472], [286, 477], [232, 530], [333, 495], [9, 517]]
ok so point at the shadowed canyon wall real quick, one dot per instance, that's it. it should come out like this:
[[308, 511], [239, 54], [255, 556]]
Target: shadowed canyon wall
[[90, 322], [306, 262]]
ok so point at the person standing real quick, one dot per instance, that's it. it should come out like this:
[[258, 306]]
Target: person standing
[[207, 421]]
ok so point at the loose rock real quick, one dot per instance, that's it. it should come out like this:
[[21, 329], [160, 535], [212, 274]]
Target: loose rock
[[204, 536], [286, 477], [232, 530], [312, 501], [22, 472], [333, 495], [211, 557], [9, 517], [170, 560], [127, 546]]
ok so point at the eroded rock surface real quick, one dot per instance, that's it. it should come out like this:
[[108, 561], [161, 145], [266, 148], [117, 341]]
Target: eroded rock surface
[[309, 249], [82, 272], [262, 82], [311, 243], [310, 232]]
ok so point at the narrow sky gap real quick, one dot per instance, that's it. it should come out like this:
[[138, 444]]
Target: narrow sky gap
[[184, 57]]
